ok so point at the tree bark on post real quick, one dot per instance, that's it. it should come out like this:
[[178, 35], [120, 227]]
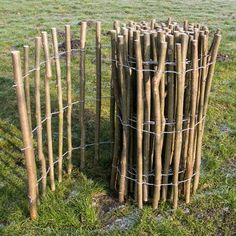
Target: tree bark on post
[[139, 67], [69, 96], [158, 123], [26, 134], [98, 90], [60, 102], [48, 76], [82, 92], [38, 114]]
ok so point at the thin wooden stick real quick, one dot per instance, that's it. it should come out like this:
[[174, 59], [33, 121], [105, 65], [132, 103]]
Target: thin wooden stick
[[26, 134], [60, 102], [131, 105], [147, 113], [158, 127], [186, 49], [124, 153], [209, 78], [48, 76], [82, 92], [98, 90], [27, 83], [154, 58], [170, 115], [138, 54], [38, 114], [127, 94], [115, 91], [189, 169], [179, 121], [69, 97]]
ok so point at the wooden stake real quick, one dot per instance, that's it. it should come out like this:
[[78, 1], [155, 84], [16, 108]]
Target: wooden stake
[[26, 134], [158, 123], [179, 121], [98, 89], [48, 77], [124, 153], [38, 114], [82, 92], [69, 97], [147, 113], [209, 77], [170, 115], [115, 92], [60, 102], [189, 169], [139, 67]]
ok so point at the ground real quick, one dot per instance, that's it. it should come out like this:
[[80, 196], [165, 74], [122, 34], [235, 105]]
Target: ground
[[83, 205]]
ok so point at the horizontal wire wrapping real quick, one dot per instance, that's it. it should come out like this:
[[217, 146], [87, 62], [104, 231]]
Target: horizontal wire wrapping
[[151, 184], [151, 70], [151, 173], [64, 108], [165, 132], [73, 148]]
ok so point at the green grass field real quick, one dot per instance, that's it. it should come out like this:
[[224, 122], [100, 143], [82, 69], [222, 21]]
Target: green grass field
[[82, 204]]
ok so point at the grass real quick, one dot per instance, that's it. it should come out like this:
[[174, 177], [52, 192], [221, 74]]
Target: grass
[[78, 207]]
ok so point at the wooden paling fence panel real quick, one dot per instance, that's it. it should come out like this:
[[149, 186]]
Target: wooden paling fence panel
[[55, 85], [160, 81], [170, 73]]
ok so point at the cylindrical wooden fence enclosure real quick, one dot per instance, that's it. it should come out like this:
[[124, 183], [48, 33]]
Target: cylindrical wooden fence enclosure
[[162, 74], [150, 98]]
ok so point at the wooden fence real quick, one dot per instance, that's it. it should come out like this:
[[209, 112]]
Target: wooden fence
[[161, 75], [50, 69]]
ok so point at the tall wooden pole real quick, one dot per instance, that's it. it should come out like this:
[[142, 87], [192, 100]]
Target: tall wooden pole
[[158, 123], [209, 78], [189, 168], [124, 153], [38, 113], [69, 97], [147, 113], [139, 67], [98, 90], [60, 102], [179, 121], [82, 92], [48, 76], [26, 134]]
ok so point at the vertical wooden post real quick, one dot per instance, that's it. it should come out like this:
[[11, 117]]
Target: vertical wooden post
[[179, 121], [158, 123], [26, 134], [147, 113], [98, 90], [189, 169], [170, 115], [130, 87], [48, 77], [139, 67], [115, 92], [69, 99], [124, 153], [38, 114], [60, 102], [209, 78], [82, 92], [113, 108], [27, 83]]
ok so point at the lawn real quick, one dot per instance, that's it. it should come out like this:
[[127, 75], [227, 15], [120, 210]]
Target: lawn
[[83, 203]]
